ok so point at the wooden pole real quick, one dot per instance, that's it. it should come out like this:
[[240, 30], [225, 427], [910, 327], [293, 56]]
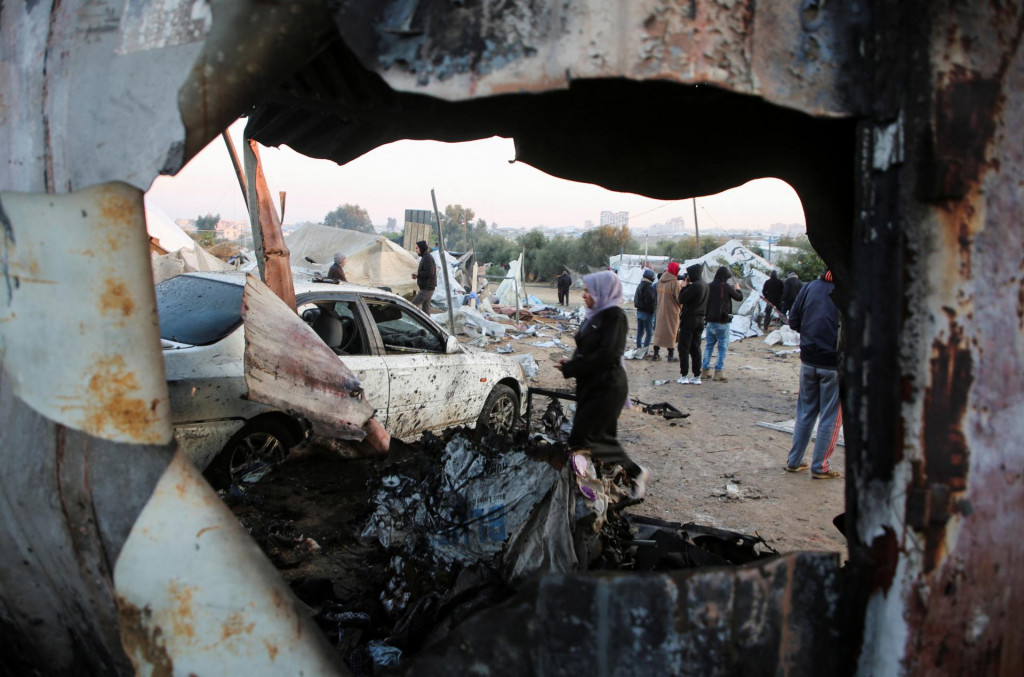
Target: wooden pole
[[444, 266]]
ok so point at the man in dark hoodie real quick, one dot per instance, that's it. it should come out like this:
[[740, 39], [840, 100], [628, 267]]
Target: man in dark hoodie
[[720, 297], [816, 317], [693, 300], [772, 293], [790, 288], [425, 276], [644, 300]]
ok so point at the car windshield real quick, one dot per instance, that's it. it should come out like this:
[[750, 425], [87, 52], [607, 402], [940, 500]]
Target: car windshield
[[196, 310]]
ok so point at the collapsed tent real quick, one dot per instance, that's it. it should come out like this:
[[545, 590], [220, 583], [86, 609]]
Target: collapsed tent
[[512, 286], [173, 252], [372, 260]]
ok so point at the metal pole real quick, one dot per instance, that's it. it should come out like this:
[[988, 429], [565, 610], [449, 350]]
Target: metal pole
[[444, 266], [696, 229], [239, 173]]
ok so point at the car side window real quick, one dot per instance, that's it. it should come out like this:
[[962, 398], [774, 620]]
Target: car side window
[[402, 331], [337, 324]]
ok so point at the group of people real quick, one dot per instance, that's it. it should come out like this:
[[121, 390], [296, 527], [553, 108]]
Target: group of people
[[672, 314], [683, 304]]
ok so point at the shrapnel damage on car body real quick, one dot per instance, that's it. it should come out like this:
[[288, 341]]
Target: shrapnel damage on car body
[[898, 124]]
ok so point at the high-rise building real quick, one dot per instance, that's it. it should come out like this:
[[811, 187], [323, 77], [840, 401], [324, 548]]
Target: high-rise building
[[614, 218]]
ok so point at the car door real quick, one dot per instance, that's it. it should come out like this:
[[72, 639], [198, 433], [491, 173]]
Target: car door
[[352, 341], [427, 384]]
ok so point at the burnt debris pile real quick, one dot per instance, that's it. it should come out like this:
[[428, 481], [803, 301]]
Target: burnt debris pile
[[390, 555]]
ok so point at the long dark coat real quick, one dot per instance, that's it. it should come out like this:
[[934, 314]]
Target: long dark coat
[[601, 385]]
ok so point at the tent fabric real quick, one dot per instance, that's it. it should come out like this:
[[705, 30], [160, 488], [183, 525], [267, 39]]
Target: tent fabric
[[168, 235], [506, 291], [373, 260], [183, 254]]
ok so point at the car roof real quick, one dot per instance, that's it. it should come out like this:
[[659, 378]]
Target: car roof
[[302, 283]]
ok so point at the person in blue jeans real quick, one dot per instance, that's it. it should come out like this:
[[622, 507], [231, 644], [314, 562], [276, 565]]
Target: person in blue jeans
[[719, 317], [645, 300], [816, 317]]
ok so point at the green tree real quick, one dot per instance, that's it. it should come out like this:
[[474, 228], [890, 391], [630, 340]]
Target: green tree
[[208, 222], [455, 224], [204, 238], [558, 253], [352, 217], [805, 263], [532, 244], [596, 245]]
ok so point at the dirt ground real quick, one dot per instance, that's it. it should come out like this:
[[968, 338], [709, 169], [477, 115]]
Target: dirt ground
[[692, 460]]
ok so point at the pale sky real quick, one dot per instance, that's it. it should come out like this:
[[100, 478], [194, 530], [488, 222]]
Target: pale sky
[[475, 174]]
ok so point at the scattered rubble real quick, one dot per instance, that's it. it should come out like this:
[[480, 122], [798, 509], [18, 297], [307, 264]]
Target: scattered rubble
[[391, 554]]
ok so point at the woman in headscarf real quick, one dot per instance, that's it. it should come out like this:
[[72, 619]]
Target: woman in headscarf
[[601, 385], [666, 326]]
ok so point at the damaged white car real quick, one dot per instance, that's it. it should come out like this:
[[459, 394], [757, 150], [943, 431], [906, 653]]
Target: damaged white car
[[416, 375]]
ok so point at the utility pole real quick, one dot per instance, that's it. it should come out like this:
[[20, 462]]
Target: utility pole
[[444, 266], [696, 229]]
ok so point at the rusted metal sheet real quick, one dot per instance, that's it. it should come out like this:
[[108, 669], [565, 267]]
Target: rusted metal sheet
[[290, 368], [941, 517], [780, 617], [798, 55], [908, 165], [78, 331], [196, 596], [271, 252]]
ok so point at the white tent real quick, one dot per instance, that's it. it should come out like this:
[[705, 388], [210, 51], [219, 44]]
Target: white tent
[[373, 260], [183, 254]]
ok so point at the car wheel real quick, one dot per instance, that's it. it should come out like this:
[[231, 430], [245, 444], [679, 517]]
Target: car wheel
[[256, 447], [500, 412]]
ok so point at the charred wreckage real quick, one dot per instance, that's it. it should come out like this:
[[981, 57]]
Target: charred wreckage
[[898, 125]]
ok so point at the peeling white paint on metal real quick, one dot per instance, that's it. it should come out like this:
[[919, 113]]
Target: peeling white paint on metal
[[79, 333], [207, 601], [884, 645], [887, 145]]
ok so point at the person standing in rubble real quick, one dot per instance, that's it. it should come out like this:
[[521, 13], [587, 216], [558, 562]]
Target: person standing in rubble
[[693, 299], [564, 282], [337, 271], [644, 300], [667, 325], [816, 317], [602, 388], [772, 293], [790, 288], [425, 276]]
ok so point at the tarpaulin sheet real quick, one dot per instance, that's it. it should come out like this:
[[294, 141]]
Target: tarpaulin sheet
[[373, 260]]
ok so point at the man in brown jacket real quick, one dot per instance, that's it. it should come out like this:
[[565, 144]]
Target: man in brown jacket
[[667, 324]]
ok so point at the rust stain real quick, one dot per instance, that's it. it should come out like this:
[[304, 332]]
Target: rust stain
[[116, 298], [271, 650], [945, 447], [108, 403], [182, 614], [235, 625], [143, 643], [116, 208], [205, 529]]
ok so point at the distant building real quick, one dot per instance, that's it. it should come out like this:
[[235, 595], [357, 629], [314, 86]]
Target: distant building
[[615, 219]]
